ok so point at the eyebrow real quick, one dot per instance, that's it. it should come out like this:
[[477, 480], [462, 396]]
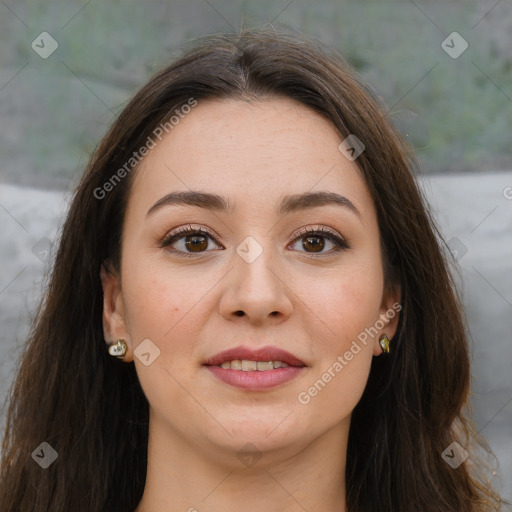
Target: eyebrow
[[289, 204]]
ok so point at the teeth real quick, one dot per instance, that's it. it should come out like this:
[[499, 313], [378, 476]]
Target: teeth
[[262, 366], [251, 366], [236, 365]]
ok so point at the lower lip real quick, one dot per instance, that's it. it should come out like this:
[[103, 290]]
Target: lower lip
[[255, 380]]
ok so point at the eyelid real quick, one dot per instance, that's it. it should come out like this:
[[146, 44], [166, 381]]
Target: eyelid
[[318, 228], [174, 233]]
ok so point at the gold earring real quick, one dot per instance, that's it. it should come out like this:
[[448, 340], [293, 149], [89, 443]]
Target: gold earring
[[118, 349], [384, 343]]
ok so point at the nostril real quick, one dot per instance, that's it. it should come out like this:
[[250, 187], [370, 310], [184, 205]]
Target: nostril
[[239, 313]]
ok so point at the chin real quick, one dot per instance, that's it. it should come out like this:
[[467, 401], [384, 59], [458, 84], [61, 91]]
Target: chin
[[266, 434]]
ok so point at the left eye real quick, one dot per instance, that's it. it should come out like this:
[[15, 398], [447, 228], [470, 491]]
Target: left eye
[[315, 241], [195, 241]]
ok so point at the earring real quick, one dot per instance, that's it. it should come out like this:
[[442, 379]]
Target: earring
[[119, 349], [384, 343]]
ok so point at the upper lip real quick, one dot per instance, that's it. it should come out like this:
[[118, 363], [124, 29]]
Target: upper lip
[[263, 354]]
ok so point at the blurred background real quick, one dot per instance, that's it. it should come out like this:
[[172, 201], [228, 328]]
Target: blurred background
[[443, 68]]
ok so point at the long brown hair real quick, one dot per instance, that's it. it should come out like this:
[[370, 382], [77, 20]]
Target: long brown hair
[[90, 407]]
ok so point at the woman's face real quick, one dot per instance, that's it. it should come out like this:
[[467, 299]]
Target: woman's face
[[257, 278]]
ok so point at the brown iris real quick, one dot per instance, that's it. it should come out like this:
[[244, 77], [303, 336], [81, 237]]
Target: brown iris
[[199, 242], [317, 246]]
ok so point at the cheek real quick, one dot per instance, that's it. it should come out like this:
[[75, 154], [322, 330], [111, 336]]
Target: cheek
[[169, 305], [336, 389], [344, 304], [152, 305], [345, 309], [163, 306], [159, 298]]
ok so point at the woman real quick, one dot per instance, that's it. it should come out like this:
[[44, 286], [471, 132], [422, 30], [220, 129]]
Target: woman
[[249, 308]]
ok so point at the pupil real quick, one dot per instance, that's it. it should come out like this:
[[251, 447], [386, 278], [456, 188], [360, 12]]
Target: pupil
[[198, 242], [317, 247]]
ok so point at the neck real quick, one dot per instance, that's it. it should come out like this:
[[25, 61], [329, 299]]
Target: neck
[[182, 476]]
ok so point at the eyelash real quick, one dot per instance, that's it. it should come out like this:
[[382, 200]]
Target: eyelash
[[339, 242]]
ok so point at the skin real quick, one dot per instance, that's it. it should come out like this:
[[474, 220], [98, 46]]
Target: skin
[[254, 153]]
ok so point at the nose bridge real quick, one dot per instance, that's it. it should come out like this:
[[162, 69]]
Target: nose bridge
[[256, 287], [257, 263]]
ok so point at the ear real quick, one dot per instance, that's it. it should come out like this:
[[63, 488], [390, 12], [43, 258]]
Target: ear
[[114, 322], [389, 315]]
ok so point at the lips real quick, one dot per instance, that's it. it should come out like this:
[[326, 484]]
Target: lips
[[262, 354]]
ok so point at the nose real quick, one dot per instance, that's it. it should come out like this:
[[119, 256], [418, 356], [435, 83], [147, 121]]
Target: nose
[[258, 290]]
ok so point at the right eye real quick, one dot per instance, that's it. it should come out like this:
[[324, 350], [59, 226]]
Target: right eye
[[193, 241]]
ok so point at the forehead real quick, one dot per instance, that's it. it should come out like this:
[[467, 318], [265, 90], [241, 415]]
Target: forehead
[[255, 151]]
